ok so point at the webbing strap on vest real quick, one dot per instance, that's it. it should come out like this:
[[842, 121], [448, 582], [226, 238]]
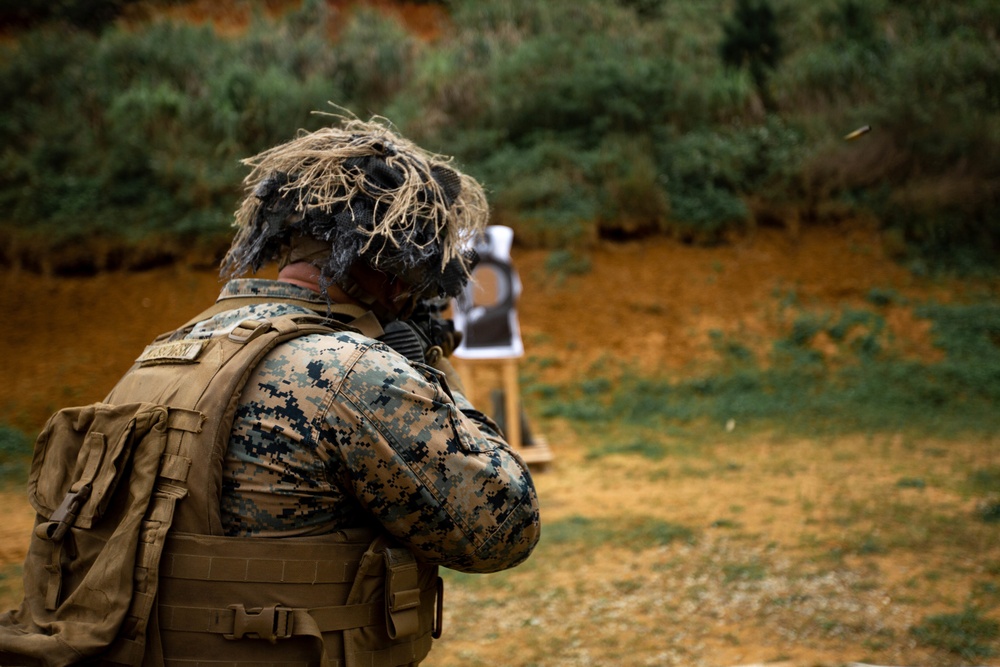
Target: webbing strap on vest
[[205, 600], [270, 623], [130, 645]]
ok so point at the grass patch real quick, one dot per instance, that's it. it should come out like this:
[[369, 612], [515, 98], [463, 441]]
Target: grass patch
[[640, 446], [494, 581], [984, 480], [624, 554], [751, 571], [967, 633], [563, 263], [590, 532], [798, 390], [989, 511]]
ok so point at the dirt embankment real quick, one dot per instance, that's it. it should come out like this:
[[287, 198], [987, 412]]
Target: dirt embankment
[[655, 303]]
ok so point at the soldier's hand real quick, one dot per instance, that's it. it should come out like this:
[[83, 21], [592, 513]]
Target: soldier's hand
[[449, 342]]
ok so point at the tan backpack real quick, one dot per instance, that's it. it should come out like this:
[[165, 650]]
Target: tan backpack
[[127, 564]]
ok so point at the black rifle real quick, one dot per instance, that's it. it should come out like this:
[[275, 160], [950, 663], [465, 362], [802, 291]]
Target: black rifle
[[426, 335]]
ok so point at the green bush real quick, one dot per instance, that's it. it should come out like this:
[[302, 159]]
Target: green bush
[[373, 60], [832, 74], [751, 40], [563, 140], [544, 192], [944, 118], [583, 88], [583, 118], [135, 137], [710, 173]]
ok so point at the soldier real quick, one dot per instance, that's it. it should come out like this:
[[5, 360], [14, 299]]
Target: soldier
[[359, 215], [354, 465]]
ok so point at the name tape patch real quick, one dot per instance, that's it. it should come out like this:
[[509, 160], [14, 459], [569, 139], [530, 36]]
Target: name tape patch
[[181, 350]]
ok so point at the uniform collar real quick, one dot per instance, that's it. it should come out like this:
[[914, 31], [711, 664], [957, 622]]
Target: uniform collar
[[260, 287]]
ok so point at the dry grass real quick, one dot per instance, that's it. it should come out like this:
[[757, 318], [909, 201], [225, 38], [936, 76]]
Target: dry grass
[[808, 552], [737, 550]]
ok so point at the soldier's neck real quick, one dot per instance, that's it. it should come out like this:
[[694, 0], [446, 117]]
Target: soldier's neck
[[306, 275]]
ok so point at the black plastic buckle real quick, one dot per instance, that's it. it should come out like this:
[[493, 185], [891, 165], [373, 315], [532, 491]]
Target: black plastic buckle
[[270, 623], [65, 515]]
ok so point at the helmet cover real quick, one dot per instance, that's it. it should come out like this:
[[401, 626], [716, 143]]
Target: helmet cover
[[368, 193]]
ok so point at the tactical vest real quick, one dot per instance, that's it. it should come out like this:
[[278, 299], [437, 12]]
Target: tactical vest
[[128, 565]]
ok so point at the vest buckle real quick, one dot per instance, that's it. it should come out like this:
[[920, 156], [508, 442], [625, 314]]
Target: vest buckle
[[64, 516], [245, 331], [270, 623]]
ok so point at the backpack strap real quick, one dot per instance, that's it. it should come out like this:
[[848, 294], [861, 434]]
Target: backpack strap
[[129, 647]]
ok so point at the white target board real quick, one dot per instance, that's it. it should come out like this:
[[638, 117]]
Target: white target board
[[486, 312]]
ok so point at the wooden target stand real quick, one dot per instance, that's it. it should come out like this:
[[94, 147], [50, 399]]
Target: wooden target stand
[[487, 379]]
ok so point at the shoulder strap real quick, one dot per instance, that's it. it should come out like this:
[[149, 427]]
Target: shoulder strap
[[207, 377]]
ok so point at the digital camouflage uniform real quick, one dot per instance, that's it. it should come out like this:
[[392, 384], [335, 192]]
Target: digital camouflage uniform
[[337, 431]]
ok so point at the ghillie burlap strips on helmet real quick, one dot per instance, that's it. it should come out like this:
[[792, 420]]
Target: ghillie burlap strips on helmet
[[368, 192]]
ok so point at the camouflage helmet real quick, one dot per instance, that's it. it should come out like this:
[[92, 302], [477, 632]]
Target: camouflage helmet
[[359, 190]]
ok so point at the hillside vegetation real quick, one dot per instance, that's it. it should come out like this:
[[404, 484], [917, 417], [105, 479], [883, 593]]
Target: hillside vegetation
[[122, 125]]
